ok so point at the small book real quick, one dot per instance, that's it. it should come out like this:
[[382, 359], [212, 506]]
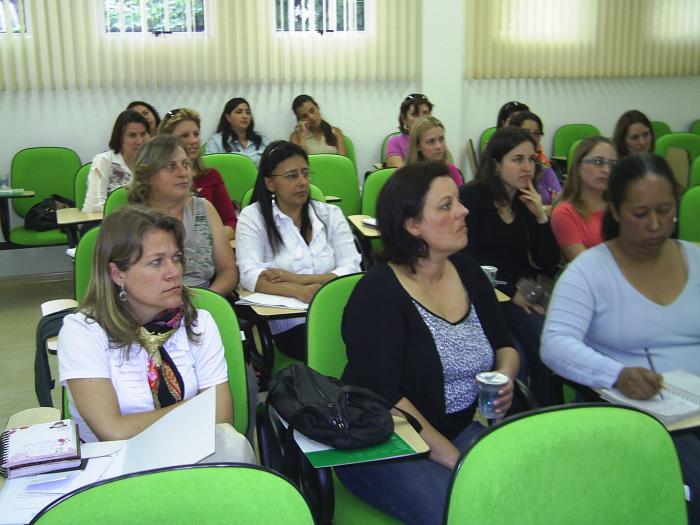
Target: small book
[[37, 449], [681, 398]]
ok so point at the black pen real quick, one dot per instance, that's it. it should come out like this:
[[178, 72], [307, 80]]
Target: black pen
[[651, 365]]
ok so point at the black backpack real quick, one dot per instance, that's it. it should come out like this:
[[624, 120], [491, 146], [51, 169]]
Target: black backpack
[[42, 216]]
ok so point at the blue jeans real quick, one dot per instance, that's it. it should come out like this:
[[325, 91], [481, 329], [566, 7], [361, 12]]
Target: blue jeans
[[688, 448], [413, 490]]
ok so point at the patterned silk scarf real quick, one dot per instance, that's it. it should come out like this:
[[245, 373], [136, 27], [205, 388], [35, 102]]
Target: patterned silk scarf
[[164, 379]]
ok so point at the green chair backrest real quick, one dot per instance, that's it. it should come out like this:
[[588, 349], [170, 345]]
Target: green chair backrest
[[80, 184], [117, 199], [350, 147], [573, 464], [315, 193], [45, 171], [385, 142], [484, 139], [570, 157], [687, 141], [568, 134], [660, 128], [227, 322], [83, 262], [689, 215], [694, 179], [370, 191], [324, 341], [695, 127], [237, 171], [336, 175], [207, 493]]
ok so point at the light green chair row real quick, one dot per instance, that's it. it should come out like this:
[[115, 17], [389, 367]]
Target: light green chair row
[[660, 128], [336, 175], [687, 141], [568, 134], [237, 171]]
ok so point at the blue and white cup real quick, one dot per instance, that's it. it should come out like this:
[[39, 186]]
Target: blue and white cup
[[489, 385]]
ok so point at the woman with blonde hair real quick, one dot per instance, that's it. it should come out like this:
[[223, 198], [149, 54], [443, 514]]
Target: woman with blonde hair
[[163, 180], [577, 218], [184, 123], [137, 347], [427, 142]]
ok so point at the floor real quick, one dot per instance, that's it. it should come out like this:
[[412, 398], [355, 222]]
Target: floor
[[20, 300]]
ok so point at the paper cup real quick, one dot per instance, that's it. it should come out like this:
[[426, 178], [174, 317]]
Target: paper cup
[[489, 384]]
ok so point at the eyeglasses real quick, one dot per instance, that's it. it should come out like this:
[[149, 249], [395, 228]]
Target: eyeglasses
[[293, 176], [170, 114], [599, 162]]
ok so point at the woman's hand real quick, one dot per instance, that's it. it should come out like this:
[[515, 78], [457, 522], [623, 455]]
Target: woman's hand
[[533, 202], [306, 292], [505, 397], [519, 300], [277, 275], [302, 127], [639, 383]]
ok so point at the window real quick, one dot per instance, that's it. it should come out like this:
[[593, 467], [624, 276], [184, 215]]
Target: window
[[12, 17], [547, 20], [154, 16], [321, 16], [674, 20]]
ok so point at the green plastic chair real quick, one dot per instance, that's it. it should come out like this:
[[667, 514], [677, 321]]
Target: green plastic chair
[[80, 184], [213, 493], [227, 322], [336, 175], [695, 127], [83, 262], [370, 191], [687, 141], [315, 193], [385, 142], [577, 464], [568, 134], [350, 147], [237, 171], [46, 171], [326, 354], [117, 199], [694, 179], [485, 137], [660, 128], [570, 157], [689, 216]]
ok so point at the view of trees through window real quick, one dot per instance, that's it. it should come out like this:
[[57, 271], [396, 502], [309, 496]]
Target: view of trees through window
[[322, 16], [12, 16], [154, 16]]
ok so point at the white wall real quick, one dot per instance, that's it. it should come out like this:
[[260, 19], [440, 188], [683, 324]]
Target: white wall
[[82, 120]]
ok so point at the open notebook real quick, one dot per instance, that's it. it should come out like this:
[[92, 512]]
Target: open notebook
[[681, 398]]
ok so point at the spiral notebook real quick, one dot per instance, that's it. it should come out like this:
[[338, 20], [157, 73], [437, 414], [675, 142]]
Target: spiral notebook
[[37, 449]]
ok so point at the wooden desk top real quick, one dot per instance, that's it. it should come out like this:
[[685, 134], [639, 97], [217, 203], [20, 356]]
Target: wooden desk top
[[271, 311], [502, 298], [232, 242], [333, 198], [68, 216], [9, 194], [366, 231]]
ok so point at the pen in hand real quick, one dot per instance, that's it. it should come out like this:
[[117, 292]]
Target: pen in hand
[[651, 365]]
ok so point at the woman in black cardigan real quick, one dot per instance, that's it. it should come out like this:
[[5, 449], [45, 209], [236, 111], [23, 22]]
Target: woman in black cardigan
[[509, 229], [418, 328]]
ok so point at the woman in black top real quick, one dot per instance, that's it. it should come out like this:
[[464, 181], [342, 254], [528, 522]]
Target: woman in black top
[[418, 328], [509, 229]]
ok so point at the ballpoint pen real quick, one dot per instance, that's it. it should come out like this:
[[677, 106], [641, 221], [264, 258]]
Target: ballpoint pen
[[651, 365]]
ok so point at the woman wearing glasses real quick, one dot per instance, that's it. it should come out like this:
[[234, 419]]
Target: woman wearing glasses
[[163, 180], [412, 107], [288, 244], [577, 218]]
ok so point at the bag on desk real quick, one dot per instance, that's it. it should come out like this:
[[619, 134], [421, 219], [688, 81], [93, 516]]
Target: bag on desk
[[42, 216], [325, 410]]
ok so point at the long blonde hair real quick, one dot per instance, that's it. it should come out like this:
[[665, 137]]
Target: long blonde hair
[[169, 123], [120, 241], [573, 186], [420, 126]]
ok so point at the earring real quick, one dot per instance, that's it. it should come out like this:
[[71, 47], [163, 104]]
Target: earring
[[272, 197], [675, 219], [122, 293]]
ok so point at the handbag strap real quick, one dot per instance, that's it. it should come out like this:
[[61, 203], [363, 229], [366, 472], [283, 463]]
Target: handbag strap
[[368, 394]]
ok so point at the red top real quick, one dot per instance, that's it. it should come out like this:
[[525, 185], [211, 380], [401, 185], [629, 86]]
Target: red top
[[571, 228], [211, 186]]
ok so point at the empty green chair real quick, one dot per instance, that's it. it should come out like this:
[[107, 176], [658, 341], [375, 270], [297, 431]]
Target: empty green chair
[[80, 184], [660, 128], [566, 135], [694, 179], [46, 171], [350, 147], [370, 191], [115, 200], [336, 175], [237, 171], [485, 137], [578, 464], [689, 215], [695, 127], [316, 194], [83, 262], [385, 142], [687, 141], [214, 493]]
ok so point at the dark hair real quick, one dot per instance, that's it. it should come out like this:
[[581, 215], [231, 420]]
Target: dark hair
[[225, 128], [623, 124], [628, 170], [327, 129], [275, 153], [403, 198], [126, 117], [146, 105], [415, 101], [507, 110], [500, 143], [517, 120]]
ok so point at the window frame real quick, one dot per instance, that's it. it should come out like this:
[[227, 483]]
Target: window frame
[[102, 22], [368, 13]]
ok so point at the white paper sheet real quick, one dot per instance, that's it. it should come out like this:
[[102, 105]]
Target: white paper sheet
[[277, 301]]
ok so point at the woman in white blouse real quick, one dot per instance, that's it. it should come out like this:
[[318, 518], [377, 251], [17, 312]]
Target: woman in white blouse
[[288, 244]]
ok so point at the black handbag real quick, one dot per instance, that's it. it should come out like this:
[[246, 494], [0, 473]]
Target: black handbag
[[325, 410], [42, 216]]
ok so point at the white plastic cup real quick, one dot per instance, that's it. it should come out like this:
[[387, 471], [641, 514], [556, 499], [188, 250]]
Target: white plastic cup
[[489, 385], [490, 272]]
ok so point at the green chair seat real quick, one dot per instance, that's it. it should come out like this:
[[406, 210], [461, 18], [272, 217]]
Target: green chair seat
[[694, 179], [115, 200], [695, 127], [689, 215], [373, 185], [336, 175], [350, 147], [568, 134], [83, 262], [485, 137], [687, 141], [80, 184], [660, 128], [21, 235], [384, 144], [237, 171]]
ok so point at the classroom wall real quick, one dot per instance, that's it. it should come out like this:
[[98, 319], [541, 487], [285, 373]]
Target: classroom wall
[[82, 120]]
